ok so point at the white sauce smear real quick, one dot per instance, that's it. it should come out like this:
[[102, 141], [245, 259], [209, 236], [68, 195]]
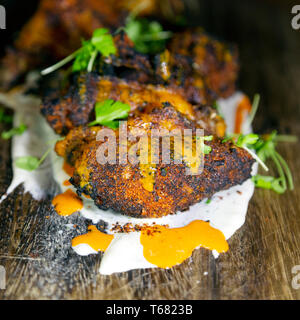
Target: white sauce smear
[[226, 211]]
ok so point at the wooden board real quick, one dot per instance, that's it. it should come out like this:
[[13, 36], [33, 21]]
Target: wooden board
[[262, 253]]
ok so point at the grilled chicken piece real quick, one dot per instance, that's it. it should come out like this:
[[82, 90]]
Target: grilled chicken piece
[[77, 106], [200, 67], [57, 27], [206, 68], [198, 78], [151, 190]]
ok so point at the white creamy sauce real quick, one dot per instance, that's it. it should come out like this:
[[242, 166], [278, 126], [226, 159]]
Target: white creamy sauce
[[33, 142], [226, 211], [84, 249], [124, 253], [228, 109]]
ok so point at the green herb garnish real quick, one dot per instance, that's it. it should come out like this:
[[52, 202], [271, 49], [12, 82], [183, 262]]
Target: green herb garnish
[[148, 36], [101, 43], [4, 117], [247, 142], [268, 182], [254, 108], [207, 149], [264, 148], [108, 113], [30, 163], [14, 131], [216, 106]]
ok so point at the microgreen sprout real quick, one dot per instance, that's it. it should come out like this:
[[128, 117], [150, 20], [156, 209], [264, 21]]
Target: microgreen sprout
[[101, 43], [31, 163], [13, 131]]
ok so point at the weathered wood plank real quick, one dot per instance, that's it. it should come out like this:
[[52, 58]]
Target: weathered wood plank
[[263, 251]]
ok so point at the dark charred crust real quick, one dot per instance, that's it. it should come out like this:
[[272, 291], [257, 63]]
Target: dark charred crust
[[171, 89], [209, 61], [118, 187], [76, 107], [199, 76]]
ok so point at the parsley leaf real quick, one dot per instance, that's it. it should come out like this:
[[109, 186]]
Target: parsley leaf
[[28, 163], [83, 57], [31, 163], [108, 111], [246, 140], [148, 36], [101, 42], [14, 131]]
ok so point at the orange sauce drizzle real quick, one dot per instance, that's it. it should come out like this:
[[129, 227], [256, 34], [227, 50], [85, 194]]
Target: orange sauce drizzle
[[166, 248], [244, 107], [96, 239], [67, 203]]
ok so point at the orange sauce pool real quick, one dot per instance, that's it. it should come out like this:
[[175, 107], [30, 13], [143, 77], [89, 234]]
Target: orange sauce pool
[[67, 203], [166, 248], [244, 107], [96, 239]]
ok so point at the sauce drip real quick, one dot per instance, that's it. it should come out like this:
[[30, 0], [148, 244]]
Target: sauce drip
[[96, 239], [66, 183], [69, 170], [244, 107], [147, 172], [67, 203], [166, 248]]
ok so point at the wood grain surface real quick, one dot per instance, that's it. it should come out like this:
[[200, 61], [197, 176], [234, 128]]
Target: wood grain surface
[[262, 253]]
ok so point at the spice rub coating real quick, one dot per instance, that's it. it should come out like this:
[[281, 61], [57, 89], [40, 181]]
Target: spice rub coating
[[57, 28], [77, 106], [191, 79], [122, 187], [204, 66]]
